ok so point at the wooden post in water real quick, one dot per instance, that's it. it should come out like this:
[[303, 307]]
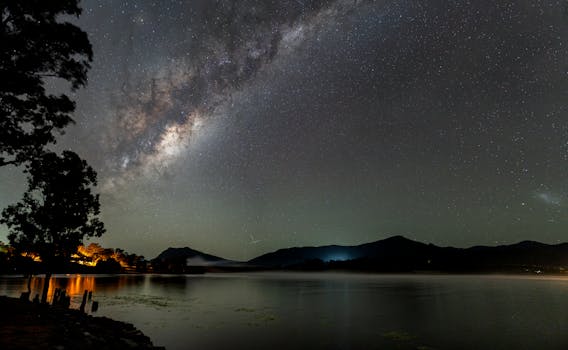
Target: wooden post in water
[[56, 295], [30, 284], [95, 306], [66, 302], [62, 295], [45, 288], [84, 301]]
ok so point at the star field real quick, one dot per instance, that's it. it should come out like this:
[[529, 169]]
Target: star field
[[214, 124]]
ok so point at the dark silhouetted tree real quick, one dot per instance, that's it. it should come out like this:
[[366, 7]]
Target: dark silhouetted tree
[[57, 212], [34, 45]]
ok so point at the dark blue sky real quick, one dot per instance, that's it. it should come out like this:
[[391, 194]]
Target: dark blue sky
[[241, 127]]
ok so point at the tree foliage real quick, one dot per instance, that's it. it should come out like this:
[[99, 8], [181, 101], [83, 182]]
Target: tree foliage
[[37, 45], [58, 209]]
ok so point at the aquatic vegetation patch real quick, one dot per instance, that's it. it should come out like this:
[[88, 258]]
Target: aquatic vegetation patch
[[266, 317], [244, 309], [147, 300], [398, 336]]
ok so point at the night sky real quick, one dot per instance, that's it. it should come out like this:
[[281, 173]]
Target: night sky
[[241, 127]]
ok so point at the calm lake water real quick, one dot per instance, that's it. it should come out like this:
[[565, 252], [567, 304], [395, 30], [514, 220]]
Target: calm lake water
[[330, 310]]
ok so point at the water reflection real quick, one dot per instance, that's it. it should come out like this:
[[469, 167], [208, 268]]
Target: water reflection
[[328, 311], [74, 285]]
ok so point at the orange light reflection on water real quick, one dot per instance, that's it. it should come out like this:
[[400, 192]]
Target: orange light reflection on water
[[74, 285], [79, 284]]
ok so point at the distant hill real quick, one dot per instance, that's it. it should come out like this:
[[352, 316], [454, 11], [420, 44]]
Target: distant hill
[[402, 254], [188, 253], [396, 250], [186, 260], [394, 254]]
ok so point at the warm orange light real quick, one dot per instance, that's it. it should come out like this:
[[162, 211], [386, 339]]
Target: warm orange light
[[93, 253], [33, 256], [74, 285], [90, 255], [77, 285]]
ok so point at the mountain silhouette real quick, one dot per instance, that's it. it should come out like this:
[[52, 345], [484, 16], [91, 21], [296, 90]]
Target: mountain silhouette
[[187, 253], [186, 260], [396, 250], [394, 254], [404, 255]]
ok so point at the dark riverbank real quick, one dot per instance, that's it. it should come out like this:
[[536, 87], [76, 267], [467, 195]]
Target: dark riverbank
[[25, 325]]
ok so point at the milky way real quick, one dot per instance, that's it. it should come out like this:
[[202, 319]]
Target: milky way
[[215, 124], [160, 116]]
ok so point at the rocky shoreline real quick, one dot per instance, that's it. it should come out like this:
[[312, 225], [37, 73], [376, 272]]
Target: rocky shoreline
[[25, 325]]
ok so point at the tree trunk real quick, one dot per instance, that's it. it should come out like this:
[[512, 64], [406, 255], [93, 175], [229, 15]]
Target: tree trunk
[[45, 288]]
